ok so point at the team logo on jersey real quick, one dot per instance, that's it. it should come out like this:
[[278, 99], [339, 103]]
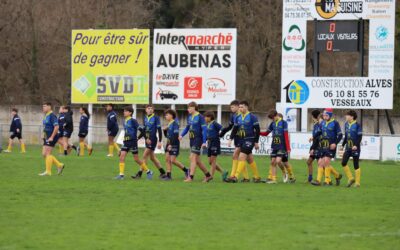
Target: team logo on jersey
[[297, 92]]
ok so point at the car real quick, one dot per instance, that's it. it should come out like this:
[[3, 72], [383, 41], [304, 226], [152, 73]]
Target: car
[[166, 94]]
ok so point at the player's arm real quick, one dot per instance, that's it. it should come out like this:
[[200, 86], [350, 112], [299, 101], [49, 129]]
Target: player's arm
[[203, 129], [56, 127], [257, 132], [226, 129], [142, 133], [186, 129], [18, 125], [175, 137], [234, 132], [339, 133], [359, 133], [159, 130], [286, 136], [266, 133]]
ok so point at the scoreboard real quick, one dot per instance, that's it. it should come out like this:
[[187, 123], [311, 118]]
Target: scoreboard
[[337, 36]]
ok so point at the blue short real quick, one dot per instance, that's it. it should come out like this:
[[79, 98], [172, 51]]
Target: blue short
[[213, 147], [173, 151], [195, 145], [280, 153], [247, 146], [130, 146], [326, 152], [50, 143], [15, 135], [237, 142], [153, 144], [82, 134], [113, 133], [67, 134]]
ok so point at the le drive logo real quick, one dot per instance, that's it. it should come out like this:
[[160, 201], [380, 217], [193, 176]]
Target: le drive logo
[[193, 87]]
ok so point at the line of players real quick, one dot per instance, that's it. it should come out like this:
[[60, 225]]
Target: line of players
[[205, 132]]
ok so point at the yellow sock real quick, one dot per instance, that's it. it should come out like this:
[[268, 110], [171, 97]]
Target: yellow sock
[[320, 174], [327, 175], [116, 147], [270, 172], [121, 168], [49, 162], [254, 169], [23, 150], [9, 148], [290, 170], [60, 149], [241, 165], [111, 149], [81, 148], [283, 170], [234, 167], [334, 171], [348, 172], [245, 173], [144, 167], [358, 176], [56, 162]]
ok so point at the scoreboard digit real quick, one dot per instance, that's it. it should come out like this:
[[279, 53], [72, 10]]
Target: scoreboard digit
[[337, 36]]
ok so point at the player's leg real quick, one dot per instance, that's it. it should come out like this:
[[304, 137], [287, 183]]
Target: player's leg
[[168, 166], [142, 164], [320, 173], [212, 160], [10, 144], [203, 168], [253, 166], [193, 163], [346, 169], [327, 170], [289, 168], [22, 144], [81, 146], [110, 146], [156, 162], [356, 159], [122, 157], [310, 167], [235, 158]]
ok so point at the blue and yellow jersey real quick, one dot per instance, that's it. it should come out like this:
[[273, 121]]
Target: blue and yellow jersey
[[196, 126], [131, 127], [61, 122], [246, 127], [213, 129], [278, 129], [316, 133], [16, 124], [50, 121], [172, 133], [112, 121], [330, 133], [84, 124], [151, 125], [352, 135]]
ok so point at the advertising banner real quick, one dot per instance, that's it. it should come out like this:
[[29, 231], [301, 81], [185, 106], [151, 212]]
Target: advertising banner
[[194, 65], [337, 31], [390, 148], [110, 66]]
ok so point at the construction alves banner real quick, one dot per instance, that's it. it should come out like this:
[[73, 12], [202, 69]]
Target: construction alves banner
[[194, 65], [110, 66]]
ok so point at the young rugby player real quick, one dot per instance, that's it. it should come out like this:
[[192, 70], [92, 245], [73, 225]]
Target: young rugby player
[[197, 129], [171, 132], [234, 106], [131, 127], [15, 132], [112, 129], [331, 135], [213, 144], [61, 122], [50, 138], [68, 129], [248, 130], [83, 132], [314, 149], [280, 146], [352, 144], [151, 126]]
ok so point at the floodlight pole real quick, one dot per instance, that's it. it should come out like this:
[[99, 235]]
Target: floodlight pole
[[134, 115], [316, 53], [361, 56], [90, 135], [219, 113]]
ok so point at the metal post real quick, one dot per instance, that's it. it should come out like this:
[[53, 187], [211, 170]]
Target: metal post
[[315, 53], [134, 115], [90, 135], [219, 114], [389, 122], [298, 119], [376, 118], [361, 46]]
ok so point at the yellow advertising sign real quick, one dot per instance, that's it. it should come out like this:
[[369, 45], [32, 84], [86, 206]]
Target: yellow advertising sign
[[110, 66]]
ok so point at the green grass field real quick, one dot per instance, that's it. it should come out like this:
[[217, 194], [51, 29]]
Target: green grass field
[[86, 209]]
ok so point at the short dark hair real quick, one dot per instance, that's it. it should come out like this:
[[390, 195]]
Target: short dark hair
[[129, 109], [244, 103], [280, 115], [194, 105], [315, 113], [272, 113], [235, 103], [210, 114], [149, 106], [171, 112], [47, 104], [111, 105], [352, 113], [14, 110], [68, 108]]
